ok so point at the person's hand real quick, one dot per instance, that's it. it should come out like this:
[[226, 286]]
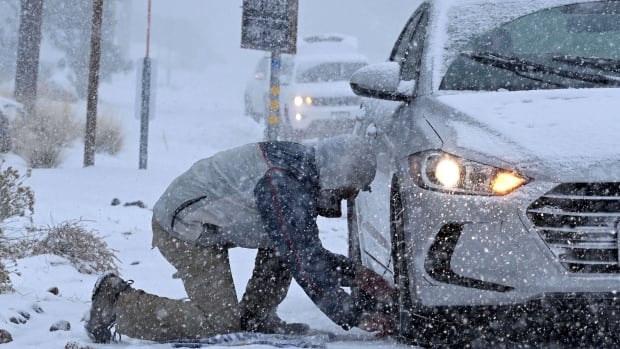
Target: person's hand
[[374, 285], [381, 323]]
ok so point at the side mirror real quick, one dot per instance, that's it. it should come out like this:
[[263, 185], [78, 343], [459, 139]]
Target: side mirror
[[382, 80]]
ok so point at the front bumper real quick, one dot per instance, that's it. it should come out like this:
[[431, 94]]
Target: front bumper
[[326, 118], [486, 251]]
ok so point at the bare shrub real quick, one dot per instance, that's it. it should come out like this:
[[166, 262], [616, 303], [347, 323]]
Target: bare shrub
[[86, 251], [5, 282], [110, 137], [16, 199], [39, 139]]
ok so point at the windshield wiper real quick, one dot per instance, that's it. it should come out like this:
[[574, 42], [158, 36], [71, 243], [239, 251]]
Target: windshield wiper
[[607, 64], [522, 66]]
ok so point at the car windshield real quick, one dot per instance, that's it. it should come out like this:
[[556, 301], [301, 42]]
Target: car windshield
[[570, 46], [327, 72]]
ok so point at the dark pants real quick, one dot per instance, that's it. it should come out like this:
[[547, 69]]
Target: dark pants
[[213, 307], [288, 209]]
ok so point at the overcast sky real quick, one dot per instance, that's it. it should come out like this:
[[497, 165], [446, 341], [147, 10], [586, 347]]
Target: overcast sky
[[210, 30]]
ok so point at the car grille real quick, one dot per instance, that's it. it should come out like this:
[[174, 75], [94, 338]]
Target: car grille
[[580, 222], [336, 101]]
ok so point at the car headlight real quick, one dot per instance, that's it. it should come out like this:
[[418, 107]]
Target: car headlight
[[300, 100], [437, 170]]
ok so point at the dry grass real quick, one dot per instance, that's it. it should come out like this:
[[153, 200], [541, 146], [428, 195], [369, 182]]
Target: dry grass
[[16, 199], [5, 282], [86, 251], [41, 139], [110, 137]]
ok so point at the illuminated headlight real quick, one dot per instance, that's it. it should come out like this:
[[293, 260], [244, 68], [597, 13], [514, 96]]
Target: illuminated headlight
[[299, 100], [298, 116], [436, 170]]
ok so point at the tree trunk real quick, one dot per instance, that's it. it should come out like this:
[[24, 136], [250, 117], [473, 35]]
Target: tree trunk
[[26, 75], [93, 85]]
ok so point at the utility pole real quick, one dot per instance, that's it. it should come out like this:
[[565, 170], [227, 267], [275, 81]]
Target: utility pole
[[93, 84], [28, 48]]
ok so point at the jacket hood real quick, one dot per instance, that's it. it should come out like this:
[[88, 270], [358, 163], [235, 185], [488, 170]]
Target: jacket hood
[[345, 162]]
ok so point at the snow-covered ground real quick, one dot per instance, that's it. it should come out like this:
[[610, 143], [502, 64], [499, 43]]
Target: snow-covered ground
[[198, 114]]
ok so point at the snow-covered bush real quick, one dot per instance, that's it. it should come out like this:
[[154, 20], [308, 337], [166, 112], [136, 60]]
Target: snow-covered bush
[[110, 137], [16, 199], [5, 282], [88, 253], [40, 139]]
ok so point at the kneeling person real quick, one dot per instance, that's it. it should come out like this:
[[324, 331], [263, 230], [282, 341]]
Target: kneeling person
[[263, 196]]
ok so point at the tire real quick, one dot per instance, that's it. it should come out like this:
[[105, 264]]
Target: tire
[[354, 248], [404, 322], [361, 299], [355, 253]]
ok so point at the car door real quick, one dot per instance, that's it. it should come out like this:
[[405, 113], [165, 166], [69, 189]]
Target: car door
[[373, 208]]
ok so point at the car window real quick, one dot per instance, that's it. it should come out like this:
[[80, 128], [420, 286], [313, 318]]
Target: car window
[[411, 65], [286, 68], [262, 67], [401, 47], [571, 46], [331, 71]]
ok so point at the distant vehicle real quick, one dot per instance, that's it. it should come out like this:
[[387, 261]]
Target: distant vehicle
[[315, 97], [256, 97], [496, 205], [8, 108]]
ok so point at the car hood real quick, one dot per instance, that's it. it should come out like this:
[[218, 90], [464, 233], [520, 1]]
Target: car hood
[[328, 89], [565, 134]]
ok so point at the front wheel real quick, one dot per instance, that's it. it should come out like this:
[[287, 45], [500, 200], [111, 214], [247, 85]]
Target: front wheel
[[404, 323], [354, 248]]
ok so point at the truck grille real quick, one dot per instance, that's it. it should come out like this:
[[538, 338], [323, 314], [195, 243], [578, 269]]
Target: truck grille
[[580, 222], [336, 101]]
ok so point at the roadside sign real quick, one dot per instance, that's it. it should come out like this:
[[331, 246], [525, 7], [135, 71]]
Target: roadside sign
[[269, 25]]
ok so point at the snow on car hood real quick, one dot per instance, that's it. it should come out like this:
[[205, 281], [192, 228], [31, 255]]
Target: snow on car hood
[[561, 133]]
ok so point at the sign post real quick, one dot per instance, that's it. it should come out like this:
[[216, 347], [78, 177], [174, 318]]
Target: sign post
[[271, 25], [273, 119], [145, 83]]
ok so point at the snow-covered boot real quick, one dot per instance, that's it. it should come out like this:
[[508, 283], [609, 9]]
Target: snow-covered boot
[[273, 324], [102, 312]]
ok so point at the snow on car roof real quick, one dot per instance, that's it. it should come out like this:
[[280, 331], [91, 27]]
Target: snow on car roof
[[454, 22], [321, 42], [331, 57], [325, 47]]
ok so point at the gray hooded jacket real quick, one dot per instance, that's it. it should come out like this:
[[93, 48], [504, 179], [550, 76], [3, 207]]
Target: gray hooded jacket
[[219, 190], [266, 195]]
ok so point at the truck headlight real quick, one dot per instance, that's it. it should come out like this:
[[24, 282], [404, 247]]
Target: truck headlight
[[300, 100]]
